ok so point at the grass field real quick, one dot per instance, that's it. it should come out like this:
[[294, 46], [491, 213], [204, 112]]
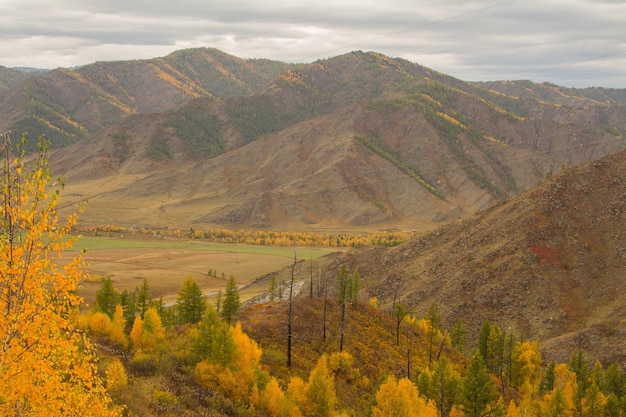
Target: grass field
[[165, 264]]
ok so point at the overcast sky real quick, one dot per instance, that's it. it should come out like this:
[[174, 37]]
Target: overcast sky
[[576, 43]]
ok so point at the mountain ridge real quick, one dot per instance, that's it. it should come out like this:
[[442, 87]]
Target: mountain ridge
[[406, 146]]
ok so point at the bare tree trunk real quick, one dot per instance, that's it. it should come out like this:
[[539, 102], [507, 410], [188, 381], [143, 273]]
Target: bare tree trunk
[[290, 314]]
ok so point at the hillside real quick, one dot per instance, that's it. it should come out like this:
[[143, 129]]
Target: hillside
[[548, 263], [68, 105], [201, 139]]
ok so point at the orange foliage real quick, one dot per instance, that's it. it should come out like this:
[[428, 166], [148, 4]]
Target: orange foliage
[[46, 364]]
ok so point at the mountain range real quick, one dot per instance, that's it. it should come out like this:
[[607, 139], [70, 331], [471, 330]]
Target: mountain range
[[360, 141]]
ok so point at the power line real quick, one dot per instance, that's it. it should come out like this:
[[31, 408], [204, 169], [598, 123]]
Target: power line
[[409, 29], [569, 64]]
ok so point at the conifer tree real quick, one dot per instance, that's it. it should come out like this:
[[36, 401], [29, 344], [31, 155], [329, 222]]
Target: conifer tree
[[214, 340], [445, 382], [107, 297], [458, 335], [434, 325], [478, 392], [231, 303], [190, 304], [143, 299]]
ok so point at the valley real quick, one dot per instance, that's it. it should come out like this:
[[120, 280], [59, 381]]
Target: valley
[[412, 210]]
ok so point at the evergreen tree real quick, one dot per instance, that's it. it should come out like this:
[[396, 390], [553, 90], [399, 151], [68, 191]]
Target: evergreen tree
[[273, 288], [190, 304], [478, 392], [107, 297], [434, 325], [445, 382], [458, 335], [127, 300], [547, 382], [231, 304], [483, 340], [615, 381], [214, 340], [142, 300]]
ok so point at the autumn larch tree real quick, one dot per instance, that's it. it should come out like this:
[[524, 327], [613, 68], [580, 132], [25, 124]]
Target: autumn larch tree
[[46, 364]]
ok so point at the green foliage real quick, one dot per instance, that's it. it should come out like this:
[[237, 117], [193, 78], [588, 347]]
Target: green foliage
[[478, 392], [190, 304], [214, 340], [256, 116], [142, 299], [200, 133], [458, 335], [120, 144], [230, 305], [158, 148], [444, 386], [378, 148], [107, 298]]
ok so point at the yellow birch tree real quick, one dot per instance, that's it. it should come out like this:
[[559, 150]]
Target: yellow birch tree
[[46, 364]]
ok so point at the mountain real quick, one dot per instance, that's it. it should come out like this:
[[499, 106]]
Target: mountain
[[360, 141], [10, 77], [549, 263], [68, 105]]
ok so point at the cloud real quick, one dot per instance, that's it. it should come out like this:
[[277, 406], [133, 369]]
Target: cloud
[[567, 42]]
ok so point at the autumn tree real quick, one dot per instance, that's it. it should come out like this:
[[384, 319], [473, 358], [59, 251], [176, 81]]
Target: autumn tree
[[527, 367], [319, 393], [400, 398], [147, 333], [190, 304], [46, 364]]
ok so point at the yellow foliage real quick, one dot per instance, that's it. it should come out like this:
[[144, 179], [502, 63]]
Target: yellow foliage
[[527, 366], [512, 410], [116, 376], [147, 333], [401, 399], [118, 324], [100, 324], [46, 364], [272, 396], [217, 378], [317, 397], [295, 390]]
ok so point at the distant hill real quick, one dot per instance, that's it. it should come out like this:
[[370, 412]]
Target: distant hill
[[360, 141], [549, 263], [71, 104], [10, 77]]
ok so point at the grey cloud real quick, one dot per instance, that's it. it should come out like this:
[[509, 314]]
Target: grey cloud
[[577, 41]]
